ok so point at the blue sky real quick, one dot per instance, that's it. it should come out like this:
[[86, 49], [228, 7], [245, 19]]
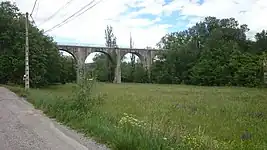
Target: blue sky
[[147, 20], [174, 19]]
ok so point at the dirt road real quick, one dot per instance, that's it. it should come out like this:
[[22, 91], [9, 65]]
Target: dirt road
[[24, 128]]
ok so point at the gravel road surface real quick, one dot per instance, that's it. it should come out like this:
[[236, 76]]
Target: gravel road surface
[[24, 128]]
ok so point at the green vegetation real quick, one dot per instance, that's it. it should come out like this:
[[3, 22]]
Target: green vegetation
[[187, 116], [46, 65], [214, 52]]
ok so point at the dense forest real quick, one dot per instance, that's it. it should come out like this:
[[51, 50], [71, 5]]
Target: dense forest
[[213, 52]]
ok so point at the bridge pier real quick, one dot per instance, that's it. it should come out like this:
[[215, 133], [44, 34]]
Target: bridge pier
[[80, 57], [117, 78], [148, 60]]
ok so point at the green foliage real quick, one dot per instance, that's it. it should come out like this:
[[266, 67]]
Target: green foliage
[[213, 52], [133, 74], [82, 98], [148, 116], [105, 63], [68, 69], [80, 110], [111, 41], [44, 59], [100, 68]]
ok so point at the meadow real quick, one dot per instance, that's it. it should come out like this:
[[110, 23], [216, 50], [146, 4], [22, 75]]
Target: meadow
[[150, 116]]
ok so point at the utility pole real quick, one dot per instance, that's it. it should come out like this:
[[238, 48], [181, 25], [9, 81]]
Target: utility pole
[[131, 41], [27, 70]]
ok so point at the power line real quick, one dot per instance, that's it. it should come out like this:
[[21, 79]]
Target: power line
[[33, 20], [33, 7], [87, 9], [37, 8], [73, 15], [59, 25], [54, 14]]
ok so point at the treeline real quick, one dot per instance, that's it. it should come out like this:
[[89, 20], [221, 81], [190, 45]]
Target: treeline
[[214, 52], [46, 64]]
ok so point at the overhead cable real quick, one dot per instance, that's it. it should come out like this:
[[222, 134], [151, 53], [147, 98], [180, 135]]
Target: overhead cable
[[55, 13], [37, 8], [33, 6], [75, 15], [33, 20]]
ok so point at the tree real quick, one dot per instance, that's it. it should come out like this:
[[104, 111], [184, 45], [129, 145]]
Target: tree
[[68, 70], [101, 68], [43, 51], [111, 42], [261, 42], [106, 63], [209, 53], [212, 52]]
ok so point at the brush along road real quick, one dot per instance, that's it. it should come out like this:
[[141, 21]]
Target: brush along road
[[24, 128]]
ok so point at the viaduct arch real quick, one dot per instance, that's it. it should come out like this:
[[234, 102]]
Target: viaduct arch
[[80, 53]]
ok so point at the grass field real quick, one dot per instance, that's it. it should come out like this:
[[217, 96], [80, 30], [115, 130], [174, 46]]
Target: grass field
[[198, 117]]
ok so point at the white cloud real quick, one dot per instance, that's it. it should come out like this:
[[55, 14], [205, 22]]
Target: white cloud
[[89, 28], [250, 12]]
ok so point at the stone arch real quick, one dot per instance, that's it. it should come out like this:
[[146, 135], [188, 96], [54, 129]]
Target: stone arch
[[75, 62], [141, 57], [65, 50], [113, 61], [91, 65]]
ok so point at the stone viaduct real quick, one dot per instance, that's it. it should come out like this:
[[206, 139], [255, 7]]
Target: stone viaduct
[[80, 53]]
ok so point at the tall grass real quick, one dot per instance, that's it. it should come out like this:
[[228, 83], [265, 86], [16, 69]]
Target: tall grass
[[193, 123], [79, 111]]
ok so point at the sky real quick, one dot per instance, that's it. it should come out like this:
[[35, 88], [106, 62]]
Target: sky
[[147, 20]]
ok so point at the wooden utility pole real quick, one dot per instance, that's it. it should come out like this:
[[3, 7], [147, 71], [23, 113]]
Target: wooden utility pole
[[27, 70]]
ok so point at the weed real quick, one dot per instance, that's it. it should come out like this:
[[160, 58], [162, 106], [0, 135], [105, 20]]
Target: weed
[[160, 116]]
